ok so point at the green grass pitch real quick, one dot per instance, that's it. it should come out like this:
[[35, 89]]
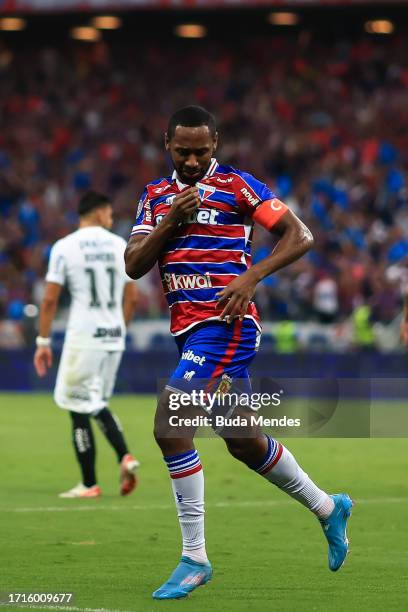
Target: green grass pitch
[[267, 551]]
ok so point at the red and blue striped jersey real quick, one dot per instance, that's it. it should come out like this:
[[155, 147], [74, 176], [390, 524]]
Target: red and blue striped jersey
[[213, 246]]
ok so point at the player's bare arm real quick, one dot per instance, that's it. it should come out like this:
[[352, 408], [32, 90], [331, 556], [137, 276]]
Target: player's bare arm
[[130, 301], [43, 354], [142, 252], [295, 240], [404, 322]]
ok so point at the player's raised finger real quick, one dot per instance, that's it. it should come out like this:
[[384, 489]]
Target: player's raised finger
[[237, 307], [222, 296], [229, 308], [243, 309]]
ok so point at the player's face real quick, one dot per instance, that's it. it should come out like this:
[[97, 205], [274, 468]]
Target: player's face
[[106, 218], [191, 150]]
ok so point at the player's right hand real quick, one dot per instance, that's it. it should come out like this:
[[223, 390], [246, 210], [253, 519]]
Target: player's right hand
[[42, 360], [184, 204], [404, 332]]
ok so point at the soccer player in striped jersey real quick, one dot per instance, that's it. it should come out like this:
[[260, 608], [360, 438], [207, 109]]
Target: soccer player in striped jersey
[[197, 225]]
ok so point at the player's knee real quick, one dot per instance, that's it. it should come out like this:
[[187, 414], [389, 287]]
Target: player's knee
[[239, 448], [159, 432], [171, 446]]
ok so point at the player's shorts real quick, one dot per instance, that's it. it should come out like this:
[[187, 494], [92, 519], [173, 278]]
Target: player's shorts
[[86, 379], [214, 351]]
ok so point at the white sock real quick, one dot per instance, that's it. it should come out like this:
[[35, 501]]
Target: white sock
[[281, 468], [187, 481]]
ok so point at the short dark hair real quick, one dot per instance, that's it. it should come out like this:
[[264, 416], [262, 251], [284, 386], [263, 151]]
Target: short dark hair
[[91, 201], [191, 116]]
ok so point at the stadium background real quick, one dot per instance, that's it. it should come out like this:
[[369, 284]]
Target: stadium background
[[310, 97], [318, 109]]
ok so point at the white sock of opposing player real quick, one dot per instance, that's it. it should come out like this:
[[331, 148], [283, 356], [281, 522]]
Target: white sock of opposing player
[[281, 468], [187, 480]]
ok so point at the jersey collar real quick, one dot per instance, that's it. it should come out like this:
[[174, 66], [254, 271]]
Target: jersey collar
[[211, 170]]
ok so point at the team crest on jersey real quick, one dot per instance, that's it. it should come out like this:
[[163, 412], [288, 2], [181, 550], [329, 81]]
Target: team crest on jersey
[[224, 386], [204, 191]]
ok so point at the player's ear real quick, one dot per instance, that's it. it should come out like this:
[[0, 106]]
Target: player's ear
[[215, 141], [99, 215], [166, 142]]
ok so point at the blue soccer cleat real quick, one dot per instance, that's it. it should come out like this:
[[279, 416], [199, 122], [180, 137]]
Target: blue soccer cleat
[[334, 528], [187, 576]]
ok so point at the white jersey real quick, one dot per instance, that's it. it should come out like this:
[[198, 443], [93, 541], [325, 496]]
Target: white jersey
[[90, 261]]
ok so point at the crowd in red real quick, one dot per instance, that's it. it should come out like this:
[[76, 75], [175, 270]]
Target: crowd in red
[[324, 124]]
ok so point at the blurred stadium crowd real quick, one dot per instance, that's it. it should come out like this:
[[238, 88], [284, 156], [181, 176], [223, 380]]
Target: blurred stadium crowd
[[325, 124]]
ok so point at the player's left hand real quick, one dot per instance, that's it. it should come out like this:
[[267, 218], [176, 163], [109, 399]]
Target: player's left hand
[[42, 360], [237, 296]]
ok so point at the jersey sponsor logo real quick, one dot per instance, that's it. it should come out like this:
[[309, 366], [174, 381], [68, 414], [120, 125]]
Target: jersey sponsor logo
[[189, 375], [204, 191], [207, 217], [78, 393], [247, 194], [148, 212], [108, 332], [276, 204], [191, 356], [187, 281], [139, 208], [224, 181]]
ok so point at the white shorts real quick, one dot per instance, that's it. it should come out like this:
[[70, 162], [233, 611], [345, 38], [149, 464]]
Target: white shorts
[[86, 379]]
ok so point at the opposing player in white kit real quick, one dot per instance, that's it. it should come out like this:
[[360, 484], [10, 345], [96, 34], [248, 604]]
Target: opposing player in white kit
[[103, 300]]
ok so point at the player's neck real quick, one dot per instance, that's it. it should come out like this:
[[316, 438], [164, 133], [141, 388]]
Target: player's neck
[[89, 223]]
